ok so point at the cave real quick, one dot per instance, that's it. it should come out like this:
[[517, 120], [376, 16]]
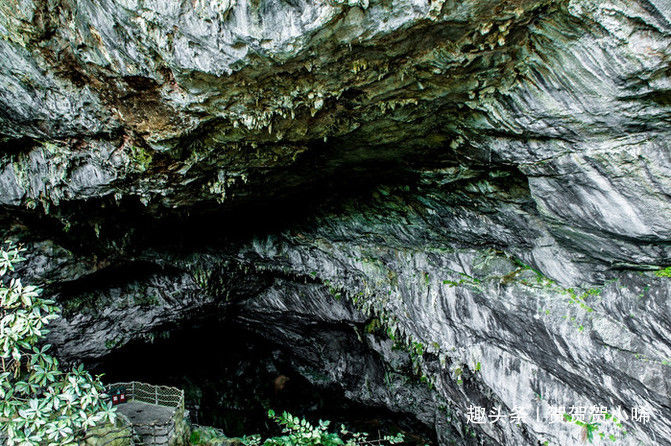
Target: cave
[[445, 219], [239, 375]]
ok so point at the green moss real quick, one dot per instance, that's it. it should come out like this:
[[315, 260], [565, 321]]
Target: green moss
[[579, 298], [590, 427], [205, 435], [141, 158], [117, 434], [666, 272], [574, 297], [464, 279], [111, 344], [145, 299], [373, 326]]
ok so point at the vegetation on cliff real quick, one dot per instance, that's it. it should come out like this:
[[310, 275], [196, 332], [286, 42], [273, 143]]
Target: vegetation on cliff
[[39, 403]]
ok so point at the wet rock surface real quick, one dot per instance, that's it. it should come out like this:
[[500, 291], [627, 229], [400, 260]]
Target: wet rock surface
[[475, 196]]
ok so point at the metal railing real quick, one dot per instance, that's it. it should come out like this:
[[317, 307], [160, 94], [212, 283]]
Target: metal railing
[[153, 433], [149, 393]]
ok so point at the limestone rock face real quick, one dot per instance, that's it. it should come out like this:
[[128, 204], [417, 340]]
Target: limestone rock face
[[436, 205]]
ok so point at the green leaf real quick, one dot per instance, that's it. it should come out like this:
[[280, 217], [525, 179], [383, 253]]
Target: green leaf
[[41, 402]]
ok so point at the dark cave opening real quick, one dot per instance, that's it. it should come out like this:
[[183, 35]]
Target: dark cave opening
[[231, 378]]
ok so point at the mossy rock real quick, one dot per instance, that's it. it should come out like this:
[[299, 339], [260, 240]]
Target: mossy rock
[[209, 436], [118, 434]]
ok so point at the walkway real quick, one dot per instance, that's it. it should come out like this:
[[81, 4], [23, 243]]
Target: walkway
[[156, 413], [145, 413]]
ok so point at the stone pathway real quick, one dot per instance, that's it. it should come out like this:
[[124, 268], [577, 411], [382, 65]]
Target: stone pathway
[[150, 421], [145, 413]]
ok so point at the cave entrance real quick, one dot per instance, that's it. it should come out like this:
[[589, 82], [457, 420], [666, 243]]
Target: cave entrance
[[232, 376]]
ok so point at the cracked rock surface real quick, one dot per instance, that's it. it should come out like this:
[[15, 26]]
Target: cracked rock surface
[[434, 205]]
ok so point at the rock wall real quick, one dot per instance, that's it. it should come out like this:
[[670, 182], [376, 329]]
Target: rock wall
[[473, 195]]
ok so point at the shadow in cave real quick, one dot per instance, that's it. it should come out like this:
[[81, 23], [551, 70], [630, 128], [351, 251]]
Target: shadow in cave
[[231, 377], [272, 200]]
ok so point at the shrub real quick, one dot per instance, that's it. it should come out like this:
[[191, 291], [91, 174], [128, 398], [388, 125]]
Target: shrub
[[300, 432], [39, 403], [209, 436]]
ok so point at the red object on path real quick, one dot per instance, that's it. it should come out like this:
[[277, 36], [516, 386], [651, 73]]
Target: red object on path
[[118, 395]]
